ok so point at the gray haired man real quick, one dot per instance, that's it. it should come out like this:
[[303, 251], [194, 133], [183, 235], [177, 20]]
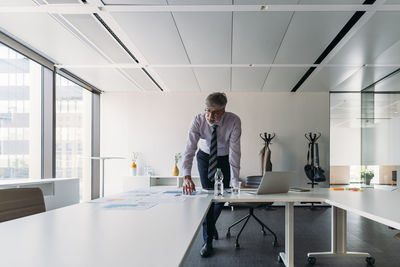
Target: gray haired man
[[217, 135]]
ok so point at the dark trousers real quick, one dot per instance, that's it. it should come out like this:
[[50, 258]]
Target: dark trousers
[[215, 208]]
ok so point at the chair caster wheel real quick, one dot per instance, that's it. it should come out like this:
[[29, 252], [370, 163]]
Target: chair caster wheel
[[275, 243], [311, 260], [264, 233], [237, 245], [280, 259], [370, 260], [228, 234]]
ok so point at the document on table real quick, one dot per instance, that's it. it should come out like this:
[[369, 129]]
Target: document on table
[[135, 206], [142, 200], [178, 193]]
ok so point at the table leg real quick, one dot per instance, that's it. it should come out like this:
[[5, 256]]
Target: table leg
[[288, 256], [102, 177], [338, 240]]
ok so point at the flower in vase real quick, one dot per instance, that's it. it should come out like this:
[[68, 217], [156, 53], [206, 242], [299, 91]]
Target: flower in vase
[[178, 156]]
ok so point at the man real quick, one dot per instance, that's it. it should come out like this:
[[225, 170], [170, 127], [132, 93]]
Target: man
[[217, 133]]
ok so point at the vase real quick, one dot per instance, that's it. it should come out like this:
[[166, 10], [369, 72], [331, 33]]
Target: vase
[[134, 171], [368, 179], [175, 171]]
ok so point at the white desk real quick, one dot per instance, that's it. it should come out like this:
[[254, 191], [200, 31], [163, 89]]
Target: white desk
[[85, 235], [288, 198], [378, 205]]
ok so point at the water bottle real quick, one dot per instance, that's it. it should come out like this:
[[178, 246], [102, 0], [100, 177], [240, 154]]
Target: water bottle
[[218, 183]]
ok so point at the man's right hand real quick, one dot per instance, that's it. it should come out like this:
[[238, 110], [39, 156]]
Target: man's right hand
[[188, 186]]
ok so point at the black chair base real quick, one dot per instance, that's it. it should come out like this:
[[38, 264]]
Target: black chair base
[[247, 217]]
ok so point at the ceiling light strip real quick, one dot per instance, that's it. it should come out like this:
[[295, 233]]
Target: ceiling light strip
[[352, 21], [115, 37], [125, 48]]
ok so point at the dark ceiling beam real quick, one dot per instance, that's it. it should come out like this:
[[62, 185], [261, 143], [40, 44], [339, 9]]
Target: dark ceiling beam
[[346, 28]]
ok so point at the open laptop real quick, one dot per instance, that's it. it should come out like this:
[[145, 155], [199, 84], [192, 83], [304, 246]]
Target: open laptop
[[274, 183]]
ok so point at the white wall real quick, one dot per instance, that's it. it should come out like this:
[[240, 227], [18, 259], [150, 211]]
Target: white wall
[[156, 124]]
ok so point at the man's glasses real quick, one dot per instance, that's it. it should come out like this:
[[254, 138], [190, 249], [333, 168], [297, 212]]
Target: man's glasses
[[215, 112]]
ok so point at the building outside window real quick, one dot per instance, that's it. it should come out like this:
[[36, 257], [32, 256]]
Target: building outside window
[[73, 133], [20, 115]]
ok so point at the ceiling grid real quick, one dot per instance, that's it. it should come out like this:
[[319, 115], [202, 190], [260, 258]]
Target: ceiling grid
[[210, 45]]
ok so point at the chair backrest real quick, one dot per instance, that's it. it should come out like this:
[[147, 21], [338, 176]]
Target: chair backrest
[[20, 202]]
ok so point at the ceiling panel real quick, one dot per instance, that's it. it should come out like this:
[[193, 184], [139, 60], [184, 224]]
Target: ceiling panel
[[134, 2], [213, 79], [199, 2], [45, 34], [178, 79], [283, 79], [64, 1], [331, 2], [327, 78], [155, 35], [308, 35], [392, 2], [376, 36], [257, 36], [108, 79], [390, 55], [98, 35], [17, 3], [363, 78], [295, 2], [206, 36], [265, 2], [142, 79], [248, 79]]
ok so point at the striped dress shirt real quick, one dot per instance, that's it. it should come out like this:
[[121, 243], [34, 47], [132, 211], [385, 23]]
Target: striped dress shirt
[[228, 139]]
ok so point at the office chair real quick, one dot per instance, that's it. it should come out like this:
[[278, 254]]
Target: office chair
[[252, 181], [20, 202]]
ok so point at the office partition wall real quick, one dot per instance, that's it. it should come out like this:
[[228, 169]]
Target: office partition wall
[[364, 133]]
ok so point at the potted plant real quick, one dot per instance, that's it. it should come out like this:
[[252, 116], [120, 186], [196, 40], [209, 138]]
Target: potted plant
[[366, 176]]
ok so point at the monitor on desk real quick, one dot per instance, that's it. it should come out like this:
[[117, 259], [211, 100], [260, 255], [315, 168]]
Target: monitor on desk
[[275, 182]]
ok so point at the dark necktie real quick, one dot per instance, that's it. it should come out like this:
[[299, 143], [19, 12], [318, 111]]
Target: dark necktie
[[212, 162]]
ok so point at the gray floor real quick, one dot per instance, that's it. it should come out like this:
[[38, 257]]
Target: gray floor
[[312, 234]]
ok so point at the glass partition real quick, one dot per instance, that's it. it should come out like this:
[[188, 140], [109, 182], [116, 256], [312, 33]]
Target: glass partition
[[365, 130]]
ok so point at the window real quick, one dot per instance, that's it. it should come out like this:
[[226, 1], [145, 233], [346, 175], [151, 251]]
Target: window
[[20, 115], [73, 133]]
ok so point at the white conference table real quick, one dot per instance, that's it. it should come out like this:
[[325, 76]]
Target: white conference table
[[87, 235]]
